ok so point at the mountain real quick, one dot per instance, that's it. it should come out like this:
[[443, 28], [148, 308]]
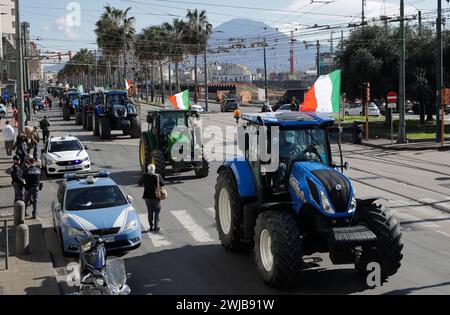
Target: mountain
[[248, 32], [53, 68]]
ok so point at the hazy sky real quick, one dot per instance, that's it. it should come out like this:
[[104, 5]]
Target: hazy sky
[[50, 25]]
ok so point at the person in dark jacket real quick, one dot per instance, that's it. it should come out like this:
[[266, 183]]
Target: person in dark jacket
[[149, 181], [32, 178], [21, 148], [45, 125], [17, 179]]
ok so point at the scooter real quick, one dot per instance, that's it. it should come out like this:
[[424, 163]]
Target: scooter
[[100, 275]]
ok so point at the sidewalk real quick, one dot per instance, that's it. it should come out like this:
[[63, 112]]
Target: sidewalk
[[27, 274], [412, 145]]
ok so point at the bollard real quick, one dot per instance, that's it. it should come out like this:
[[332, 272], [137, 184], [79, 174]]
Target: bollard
[[22, 239], [19, 213]]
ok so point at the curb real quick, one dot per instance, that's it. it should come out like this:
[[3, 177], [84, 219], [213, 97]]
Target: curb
[[412, 146]]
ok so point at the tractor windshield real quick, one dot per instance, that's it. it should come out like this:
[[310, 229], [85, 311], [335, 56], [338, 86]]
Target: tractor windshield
[[117, 99], [170, 120], [84, 100], [304, 145]]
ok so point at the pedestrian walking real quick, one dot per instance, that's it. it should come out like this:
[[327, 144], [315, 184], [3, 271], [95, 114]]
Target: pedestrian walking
[[45, 125], [35, 139], [152, 183], [32, 176], [21, 147], [18, 182], [9, 136], [15, 117], [237, 114]]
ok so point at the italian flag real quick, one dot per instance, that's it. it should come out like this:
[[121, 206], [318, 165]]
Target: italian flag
[[325, 95], [128, 84], [179, 101]]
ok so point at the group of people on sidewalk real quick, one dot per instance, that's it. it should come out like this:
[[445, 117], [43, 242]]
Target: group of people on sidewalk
[[26, 171]]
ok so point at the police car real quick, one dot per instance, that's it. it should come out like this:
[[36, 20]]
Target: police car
[[88, 205], [65, 154]]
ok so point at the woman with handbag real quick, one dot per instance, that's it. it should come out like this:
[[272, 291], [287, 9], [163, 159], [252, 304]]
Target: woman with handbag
[[153, 194]]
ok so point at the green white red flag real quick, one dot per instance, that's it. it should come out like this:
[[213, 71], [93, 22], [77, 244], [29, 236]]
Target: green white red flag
[[325, 95], [179, 101]]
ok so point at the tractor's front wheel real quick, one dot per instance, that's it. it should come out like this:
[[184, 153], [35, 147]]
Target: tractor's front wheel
[[84, 119], [78, 119], [89, 122], [145, 156], [105, 128], [229, 210], [95, 125], [278, 249], [158, 159], [203, 171], [389, 248], [135, 128]]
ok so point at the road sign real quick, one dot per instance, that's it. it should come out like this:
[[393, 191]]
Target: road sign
[[5, 95], [392, 100]]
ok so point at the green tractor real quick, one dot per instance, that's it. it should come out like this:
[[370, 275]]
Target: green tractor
[[172, 131]]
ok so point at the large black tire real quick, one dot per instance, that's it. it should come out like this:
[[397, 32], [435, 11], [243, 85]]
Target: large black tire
[[95, 125], [66, 113], [159, 160], [78, 119], [385, 226], [231, 233], [84, 119], [105, 128], [286, 248], [203, 171], [135, 127], [89, 122], [145, 153]]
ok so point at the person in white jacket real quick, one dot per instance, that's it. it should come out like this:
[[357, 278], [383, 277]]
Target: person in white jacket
[[9, 137]]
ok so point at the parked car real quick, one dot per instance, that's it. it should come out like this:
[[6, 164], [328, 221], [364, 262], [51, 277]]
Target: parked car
[[358, 110], [2, 111], [416, 109], [229, 105], [94, 205], [381, 104], [65, 154]]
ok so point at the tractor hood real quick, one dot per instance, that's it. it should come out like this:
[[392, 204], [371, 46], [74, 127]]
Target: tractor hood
[[319, 182]]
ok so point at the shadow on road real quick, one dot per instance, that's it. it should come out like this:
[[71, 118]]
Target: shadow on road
[[414, 289], [210, 269]]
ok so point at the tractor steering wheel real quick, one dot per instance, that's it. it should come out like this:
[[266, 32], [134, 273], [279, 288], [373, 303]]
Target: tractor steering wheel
[[312, 154]]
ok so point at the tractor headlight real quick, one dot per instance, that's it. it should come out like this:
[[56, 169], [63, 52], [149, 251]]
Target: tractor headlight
[[352, 205], [326, 204]]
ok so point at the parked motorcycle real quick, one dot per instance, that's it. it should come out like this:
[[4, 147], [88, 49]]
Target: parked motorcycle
[[101, 275]]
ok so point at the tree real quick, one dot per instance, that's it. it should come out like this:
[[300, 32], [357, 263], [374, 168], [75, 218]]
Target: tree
[[115, 31], [82, 64], [197, 34], [176, 32]]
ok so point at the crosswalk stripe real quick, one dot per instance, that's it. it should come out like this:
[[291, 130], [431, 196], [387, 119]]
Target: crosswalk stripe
[[195, 230], [158, 240], [443, 233]]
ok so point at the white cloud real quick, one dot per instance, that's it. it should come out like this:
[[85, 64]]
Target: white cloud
[[65, 24]]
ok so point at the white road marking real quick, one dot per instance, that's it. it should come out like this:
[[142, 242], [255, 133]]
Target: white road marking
[[195, 230], [443, 233], [158, 240]]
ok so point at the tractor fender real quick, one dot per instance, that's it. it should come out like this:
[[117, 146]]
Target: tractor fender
[[99, 111], [366, 202], [243, 175]]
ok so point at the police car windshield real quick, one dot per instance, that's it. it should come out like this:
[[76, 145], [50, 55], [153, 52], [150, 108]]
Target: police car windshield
[[61, 146], [95, 197]]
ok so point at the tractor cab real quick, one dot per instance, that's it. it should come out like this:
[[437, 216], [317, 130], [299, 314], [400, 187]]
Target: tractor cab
[[70, 102], [118, 104], [84, 101]]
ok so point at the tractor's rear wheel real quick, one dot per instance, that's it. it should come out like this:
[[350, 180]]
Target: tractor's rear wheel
[[203, 171], [229, 209], [105, 128], [158, 159], [84, 119], [385, 226], [66, 113], [95, 125], [78, 119], [89, 122], [145, 153], [135, 128], [278, 249]]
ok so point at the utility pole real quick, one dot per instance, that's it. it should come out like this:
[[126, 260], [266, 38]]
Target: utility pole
[[266, 87], [332, 43], [19, 68], [363, 15], [206, 81], [318, 58], [402, 87], [439, 71], [25, 58], [420, 23], [124, 54], [96, 68]]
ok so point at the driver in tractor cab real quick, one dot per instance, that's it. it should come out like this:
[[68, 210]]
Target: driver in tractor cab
[[286, 149]]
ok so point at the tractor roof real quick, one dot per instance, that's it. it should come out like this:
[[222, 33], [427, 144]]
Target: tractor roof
[[116, 93], [290, 119]]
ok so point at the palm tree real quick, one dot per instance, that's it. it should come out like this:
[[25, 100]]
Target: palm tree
[[115, 32], [79, 67], [176, 32], [197, 35]]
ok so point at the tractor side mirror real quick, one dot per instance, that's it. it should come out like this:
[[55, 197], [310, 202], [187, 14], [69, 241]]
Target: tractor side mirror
[[130, 199], [86, 147], [346, 166]]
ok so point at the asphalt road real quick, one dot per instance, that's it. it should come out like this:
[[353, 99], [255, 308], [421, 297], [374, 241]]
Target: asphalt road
[[187, 258]]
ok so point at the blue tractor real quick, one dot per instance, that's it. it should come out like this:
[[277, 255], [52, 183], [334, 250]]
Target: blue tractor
[[79, 109], [68, 103], [116, 113], [306, 206]]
